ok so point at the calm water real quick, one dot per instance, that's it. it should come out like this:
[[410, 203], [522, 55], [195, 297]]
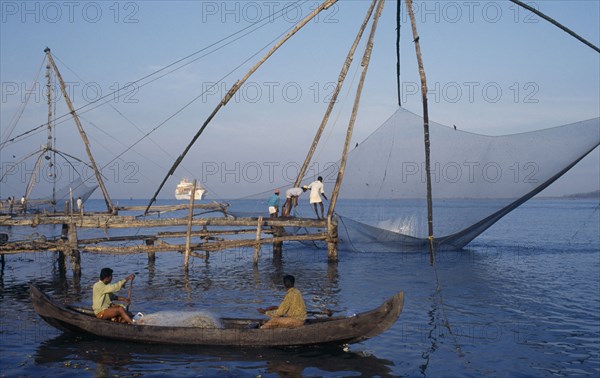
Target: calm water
[[522, 300]]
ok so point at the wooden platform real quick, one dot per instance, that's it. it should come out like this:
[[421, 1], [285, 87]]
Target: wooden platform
[[202, 234]]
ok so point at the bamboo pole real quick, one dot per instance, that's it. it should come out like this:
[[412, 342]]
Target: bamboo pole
[[365, 66], [333, 101], [425, 129], [189, 227], [257, 247], [106, 222], [326, 4], [107, 200], [331, 228], [398, 14], [33, 179], [557, 24]]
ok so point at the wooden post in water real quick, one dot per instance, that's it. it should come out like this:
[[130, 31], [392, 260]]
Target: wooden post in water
[[258, 232], [72, 249], [189, 228], [151, 255], [425, 129], [332, 240], [206, 253], [277, 245]]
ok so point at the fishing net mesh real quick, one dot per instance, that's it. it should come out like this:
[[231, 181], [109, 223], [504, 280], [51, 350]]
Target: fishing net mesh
[[196, 319], [476, 179]]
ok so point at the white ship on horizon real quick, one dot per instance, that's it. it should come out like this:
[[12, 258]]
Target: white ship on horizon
[[183, 191]]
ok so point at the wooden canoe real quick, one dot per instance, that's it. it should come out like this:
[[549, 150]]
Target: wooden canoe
[[235, 332]]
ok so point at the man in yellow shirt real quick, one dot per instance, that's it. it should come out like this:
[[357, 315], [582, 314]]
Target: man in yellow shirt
[[103, 297], [291, 312]]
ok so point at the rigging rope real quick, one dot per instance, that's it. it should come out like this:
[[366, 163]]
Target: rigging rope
[[106, 98], [17, 116], [584, 223], [446, 322]]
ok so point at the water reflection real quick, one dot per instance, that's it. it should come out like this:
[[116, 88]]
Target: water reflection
[[108, 358]]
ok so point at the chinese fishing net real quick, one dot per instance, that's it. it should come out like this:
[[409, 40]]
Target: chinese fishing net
[[476, 180]]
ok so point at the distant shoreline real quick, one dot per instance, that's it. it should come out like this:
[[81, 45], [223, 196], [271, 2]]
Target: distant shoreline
[[589, 195]]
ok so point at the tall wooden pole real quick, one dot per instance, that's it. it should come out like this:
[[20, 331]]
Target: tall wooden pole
[[425, 129], [186, 260], [398, 14], [332, 102], [365, 66], [325, 5], [49, 144], [331, 228], [109, 204], [557, 24]]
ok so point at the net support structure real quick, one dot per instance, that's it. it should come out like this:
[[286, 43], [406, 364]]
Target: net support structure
[[425, 129], [109, 205], [325, 5], [334, 96], [332, 245]]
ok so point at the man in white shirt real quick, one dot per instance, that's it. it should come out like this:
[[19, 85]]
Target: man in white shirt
[[316, 191], [291, 199]]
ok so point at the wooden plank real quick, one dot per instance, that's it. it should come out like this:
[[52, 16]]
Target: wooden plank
[[101, 221]]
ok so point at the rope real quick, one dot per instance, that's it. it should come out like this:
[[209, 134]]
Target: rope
[[445, 322], [584, 223], [108, 97], [17, 116]]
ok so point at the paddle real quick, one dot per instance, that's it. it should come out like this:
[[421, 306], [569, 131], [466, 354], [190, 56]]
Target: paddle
[[129, 294]]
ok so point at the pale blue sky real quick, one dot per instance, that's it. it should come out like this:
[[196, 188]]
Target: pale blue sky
[[492, 68]]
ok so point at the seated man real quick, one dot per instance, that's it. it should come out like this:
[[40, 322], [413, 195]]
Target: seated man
[[291, 313], [103, 297]]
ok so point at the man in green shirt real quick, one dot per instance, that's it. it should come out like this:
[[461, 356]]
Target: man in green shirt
[[103, 297], [291, 312]]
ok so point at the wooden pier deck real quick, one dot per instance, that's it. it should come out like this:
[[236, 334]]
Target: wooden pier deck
[[202, 234]]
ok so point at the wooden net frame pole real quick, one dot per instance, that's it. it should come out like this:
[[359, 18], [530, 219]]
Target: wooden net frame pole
[[325, 5], [333, 101], [365, 66], [331, 229], [425, 129], [109, 205], [188, 236]]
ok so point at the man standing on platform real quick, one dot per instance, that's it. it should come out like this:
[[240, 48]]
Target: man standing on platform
[[273, 204], [80, 205], [316, 191]]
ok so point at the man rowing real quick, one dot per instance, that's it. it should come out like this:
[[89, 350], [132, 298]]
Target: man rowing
[[103, 297]]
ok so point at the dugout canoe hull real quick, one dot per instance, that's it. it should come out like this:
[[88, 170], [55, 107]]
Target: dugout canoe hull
[[334, 330]]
